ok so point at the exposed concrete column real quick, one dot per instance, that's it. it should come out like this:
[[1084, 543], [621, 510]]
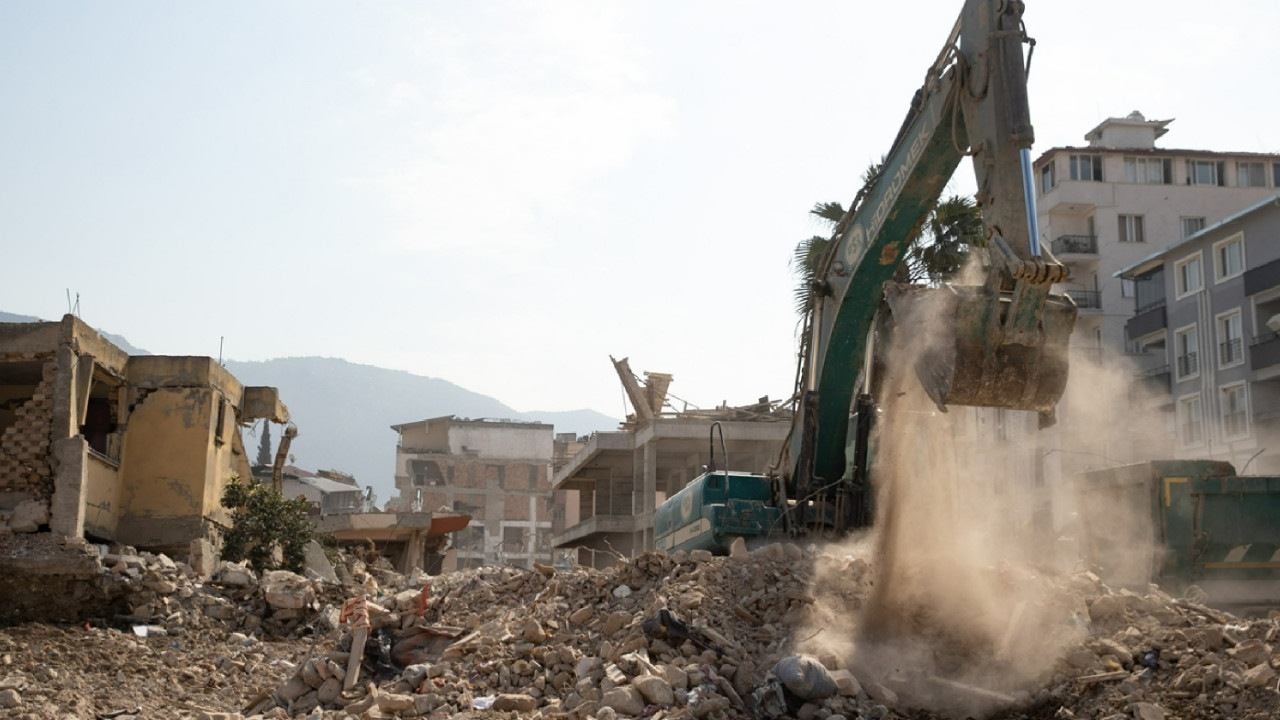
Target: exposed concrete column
[[66, 514], [645, 485], [650, 486], [66, 423], [413, 552]]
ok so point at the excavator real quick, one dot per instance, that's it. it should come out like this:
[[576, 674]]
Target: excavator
[[1001, 343]]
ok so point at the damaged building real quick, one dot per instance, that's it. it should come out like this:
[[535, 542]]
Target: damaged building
[[496, 471], [620, 478], [98, 444]]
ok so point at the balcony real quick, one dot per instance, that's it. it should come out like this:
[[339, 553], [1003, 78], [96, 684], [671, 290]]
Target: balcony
[[1230, 352], [1188, 364], [1157, 378], [1075, 245], [1263, 277], [1086, 299], [1078, 198], [1264, 351], [1149, 319]]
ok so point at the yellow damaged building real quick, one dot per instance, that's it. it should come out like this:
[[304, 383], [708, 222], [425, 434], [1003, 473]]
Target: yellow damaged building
[[99, 444]]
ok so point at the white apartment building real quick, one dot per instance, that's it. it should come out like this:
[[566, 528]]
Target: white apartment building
[[1103, 207]]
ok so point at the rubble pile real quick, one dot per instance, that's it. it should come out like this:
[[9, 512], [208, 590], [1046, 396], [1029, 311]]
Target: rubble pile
[[656, 633], [658, 636], [1151, 656]]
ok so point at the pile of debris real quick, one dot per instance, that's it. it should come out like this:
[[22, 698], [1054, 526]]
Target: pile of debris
[[658, 636], [696, 636]]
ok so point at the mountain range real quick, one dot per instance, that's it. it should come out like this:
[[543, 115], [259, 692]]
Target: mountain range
[[344, 411]]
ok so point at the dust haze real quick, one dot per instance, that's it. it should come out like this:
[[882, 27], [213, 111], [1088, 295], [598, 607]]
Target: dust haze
[[958, 600]]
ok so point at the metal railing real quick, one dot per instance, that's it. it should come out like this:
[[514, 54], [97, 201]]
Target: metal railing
[[1154, 380], [1231, 351], [1077, 244], [1263, 338], [1086, 299], [1188, 364], [1155, 371]]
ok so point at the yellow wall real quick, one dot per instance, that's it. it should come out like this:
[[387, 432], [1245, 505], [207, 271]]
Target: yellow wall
[[101, 497], [166, 453]]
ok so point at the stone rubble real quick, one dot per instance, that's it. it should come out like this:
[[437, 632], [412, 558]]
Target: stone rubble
[[692, 636]]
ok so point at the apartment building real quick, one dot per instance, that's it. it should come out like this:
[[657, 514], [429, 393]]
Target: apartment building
[[1102, 207], [1209, 309], [496, 471]]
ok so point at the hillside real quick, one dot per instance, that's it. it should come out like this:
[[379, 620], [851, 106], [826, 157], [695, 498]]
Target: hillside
[[344, 412]]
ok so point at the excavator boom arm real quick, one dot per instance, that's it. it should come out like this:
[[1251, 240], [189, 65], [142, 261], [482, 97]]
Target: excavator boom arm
[[973, 102]]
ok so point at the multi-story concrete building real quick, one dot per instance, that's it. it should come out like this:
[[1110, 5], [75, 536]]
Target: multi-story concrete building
[[1209, 309], [619, 478], [1103, 207], [496, 471]]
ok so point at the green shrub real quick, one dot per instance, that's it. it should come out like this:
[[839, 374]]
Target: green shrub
[[262, 522]]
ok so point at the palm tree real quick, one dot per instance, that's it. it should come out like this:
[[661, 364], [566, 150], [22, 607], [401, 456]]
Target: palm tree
[[808, 253], [939, 251], [953, 227]]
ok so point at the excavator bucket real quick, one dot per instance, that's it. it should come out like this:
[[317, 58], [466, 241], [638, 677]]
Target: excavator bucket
[[987, 347]]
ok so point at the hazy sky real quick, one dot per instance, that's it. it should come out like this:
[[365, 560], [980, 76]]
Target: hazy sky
[[503, 194]]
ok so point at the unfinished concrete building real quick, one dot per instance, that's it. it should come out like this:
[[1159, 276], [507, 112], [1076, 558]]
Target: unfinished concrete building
[[496, 471], [95, 443], [620, 478]]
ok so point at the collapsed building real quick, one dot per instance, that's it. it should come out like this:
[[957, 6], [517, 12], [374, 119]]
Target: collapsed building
[[496, 472], [98, 444]]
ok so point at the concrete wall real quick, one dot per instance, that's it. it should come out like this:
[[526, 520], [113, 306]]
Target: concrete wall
[[167, 493], [101, 498], [502, 441], [1127, 136], [414, 436]]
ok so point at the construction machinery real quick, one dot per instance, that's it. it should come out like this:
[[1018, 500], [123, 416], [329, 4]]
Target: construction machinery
[[999, 344], [1180, 523]]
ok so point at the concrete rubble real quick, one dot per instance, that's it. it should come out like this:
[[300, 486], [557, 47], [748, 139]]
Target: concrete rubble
[[694, 636]]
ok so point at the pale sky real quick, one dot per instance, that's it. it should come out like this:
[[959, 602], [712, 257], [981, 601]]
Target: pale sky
[[502, 194]]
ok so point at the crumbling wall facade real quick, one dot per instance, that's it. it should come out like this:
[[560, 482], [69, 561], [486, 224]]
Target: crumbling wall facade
[[25, 466]]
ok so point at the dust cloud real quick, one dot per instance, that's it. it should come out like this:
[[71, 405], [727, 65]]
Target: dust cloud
[[957, 601]]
